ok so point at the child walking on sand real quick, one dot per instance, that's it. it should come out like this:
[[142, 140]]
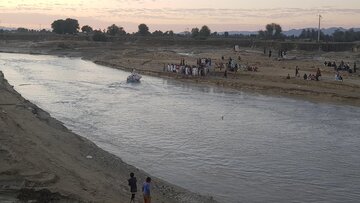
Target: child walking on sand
[[133, 187], [146, 190]]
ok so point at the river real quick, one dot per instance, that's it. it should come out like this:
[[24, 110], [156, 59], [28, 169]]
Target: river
[[234, 146]]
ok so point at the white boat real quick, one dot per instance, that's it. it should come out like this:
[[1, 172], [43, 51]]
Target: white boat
[[133, 78]]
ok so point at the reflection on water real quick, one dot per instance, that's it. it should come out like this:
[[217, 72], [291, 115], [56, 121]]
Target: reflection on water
[[265, 149]]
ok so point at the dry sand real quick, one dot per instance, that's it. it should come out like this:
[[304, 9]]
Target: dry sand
[[42, 160]]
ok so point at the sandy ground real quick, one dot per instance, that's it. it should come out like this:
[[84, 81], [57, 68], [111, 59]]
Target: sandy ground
[[150, 58], [42, 161]]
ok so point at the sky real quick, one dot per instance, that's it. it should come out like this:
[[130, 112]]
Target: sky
[[182, 15]]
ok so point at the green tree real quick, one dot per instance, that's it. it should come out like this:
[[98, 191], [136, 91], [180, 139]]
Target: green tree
[[350, 35], [21, 29], [99, 36], [273, 31], [68, 26], [303, 34], [169, 33], [115, 30], [86, 29], [71, 26], [269, 30], [195, 32], [58, 26], [205, 32], [143, 29], [158, 33], [339, 36]]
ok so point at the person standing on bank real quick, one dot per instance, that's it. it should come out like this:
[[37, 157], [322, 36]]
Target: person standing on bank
[[297, 74], [146, 190], [133, 187], [354, 67]]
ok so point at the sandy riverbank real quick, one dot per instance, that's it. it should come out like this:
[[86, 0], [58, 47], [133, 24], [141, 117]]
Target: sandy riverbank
[[42, 160], [150, 58]]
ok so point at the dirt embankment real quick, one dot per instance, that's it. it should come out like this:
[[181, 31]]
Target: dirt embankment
[[42, 161]]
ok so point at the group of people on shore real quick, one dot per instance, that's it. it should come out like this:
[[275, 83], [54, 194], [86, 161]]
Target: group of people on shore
[[233, 66], [341, 67], [202, 67], [282, 53], [338, 77], [132, 182], [315, 76]]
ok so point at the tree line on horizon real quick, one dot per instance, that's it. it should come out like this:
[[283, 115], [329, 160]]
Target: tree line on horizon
[[71, 26], [272, 31]]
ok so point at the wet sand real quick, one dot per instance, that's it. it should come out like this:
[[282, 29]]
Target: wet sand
[[43, 161]]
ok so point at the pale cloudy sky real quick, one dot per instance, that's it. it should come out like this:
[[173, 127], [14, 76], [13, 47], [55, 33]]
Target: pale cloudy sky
[[180, 15]]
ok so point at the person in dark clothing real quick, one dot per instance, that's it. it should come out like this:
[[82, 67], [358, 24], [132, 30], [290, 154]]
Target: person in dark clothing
[[318, 74], [133, 187], [270, 52], [305, 76], [354, 67], [297, 74]]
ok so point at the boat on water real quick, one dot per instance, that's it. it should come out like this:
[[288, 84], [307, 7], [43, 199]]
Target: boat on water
[[134, 77]]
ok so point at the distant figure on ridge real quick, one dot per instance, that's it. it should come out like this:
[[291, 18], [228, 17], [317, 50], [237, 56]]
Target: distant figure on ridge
[[354, 67], [146, 190], [297, 74], [318, 74], [133, 187]]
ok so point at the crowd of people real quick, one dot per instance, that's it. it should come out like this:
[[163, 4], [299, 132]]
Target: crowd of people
[[233, 66], [315, 76], [202, 67], [341, 67], [311, 76]]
